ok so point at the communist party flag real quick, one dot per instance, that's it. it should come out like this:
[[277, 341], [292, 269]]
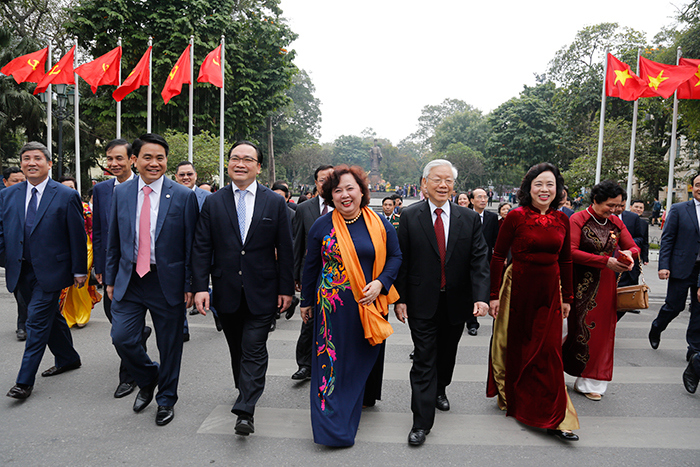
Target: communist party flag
[[691, 88], [621, 81], [210, 72], [27, 68], [103, 70], [179, 75], [61, 73], [662, 80], [138, 77]]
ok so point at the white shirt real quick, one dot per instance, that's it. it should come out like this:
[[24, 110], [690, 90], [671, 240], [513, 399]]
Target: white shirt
[[321, 204], [445, 216], [157, 188], [117, 182], [249, 202], [39, 193]]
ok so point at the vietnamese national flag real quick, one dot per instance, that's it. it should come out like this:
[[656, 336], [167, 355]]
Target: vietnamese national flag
[[103, 70], [621, 81], [179, 75], [691, 88], [61, 73], [27, 68], [138, 77], [662, 80], [210, 72]]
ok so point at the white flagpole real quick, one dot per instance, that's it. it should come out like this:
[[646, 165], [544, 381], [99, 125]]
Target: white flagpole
[[601, 131], [119, 103], [633, 143], [150, 84], [76, 117], [190, 126], [49, 106], [221, 115], [672, 154]]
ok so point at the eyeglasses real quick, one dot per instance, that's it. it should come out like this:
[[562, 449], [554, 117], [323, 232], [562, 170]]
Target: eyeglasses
[[188, 174], [245, 160], [439, 181]]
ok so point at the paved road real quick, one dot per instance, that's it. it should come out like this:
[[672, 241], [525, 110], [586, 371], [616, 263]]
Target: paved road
[[646, 418]]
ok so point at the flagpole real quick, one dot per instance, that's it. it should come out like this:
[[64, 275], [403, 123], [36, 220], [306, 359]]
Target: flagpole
[[672, 155], [119, 103], [76, 116], [189, 134], [633, 143], [49, 107], [221, 113], [601, 131], [150, 81]]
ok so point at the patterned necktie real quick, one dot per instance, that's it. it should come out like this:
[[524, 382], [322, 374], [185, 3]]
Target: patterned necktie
[[240, 208], [29, 223], [325, 209], [143, 260], [440, 234]]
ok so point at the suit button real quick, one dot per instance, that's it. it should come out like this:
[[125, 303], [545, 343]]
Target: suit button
[[243, 252], [240, 273]]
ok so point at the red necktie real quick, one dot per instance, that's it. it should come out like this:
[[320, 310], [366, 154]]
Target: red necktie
[[440, 234], [325, 209], [143, 258]]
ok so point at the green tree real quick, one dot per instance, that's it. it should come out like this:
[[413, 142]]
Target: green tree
[[205, 153], [468, 127], [470, 165], [431, 117]]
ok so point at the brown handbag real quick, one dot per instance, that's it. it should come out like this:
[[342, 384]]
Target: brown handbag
[[633, 297]]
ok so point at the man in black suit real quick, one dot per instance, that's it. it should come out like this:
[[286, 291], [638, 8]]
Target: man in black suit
[[244, 242], [306, 215], [639, 230], [444, 267], [679, 262]]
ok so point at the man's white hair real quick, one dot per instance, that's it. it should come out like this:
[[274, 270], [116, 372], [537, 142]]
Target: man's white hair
[[436, 163]]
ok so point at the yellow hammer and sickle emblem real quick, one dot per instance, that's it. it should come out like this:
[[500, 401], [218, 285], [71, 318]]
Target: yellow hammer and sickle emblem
[[105, 67], [172, 73], [33, 63], [54, 70], [215, 62]]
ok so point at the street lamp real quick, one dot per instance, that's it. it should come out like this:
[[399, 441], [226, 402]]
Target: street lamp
[[65, 96]]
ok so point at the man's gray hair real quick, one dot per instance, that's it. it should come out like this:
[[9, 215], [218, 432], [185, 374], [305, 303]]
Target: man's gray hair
[[436, 163], [35, 145]]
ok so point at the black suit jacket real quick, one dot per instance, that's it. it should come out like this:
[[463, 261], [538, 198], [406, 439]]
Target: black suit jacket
[[466, 264], [261, 264], [680, 240], [306, 215], [490, 230]]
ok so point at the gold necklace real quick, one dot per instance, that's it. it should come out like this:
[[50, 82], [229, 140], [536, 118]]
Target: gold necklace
[[354, 219]]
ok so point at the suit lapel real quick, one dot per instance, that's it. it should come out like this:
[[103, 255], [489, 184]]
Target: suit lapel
[[455, 227], [230, 206], [165, 198], [132, 196], [260, 202], [20, 201], [690, 206], [425, 218], [49, 193]]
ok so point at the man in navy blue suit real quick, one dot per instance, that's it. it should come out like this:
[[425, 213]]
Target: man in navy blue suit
[[186, 175], [42, 234], [679, 262], [148, 267], [244, 242], [119, 161]]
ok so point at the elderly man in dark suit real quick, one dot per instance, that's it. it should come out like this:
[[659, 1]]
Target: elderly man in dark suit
[[444, 278], [43, 237], [244, 242], [151, 230], [679, 262]]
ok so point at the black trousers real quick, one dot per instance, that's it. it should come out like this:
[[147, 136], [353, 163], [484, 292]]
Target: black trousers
[[304, 344], [124, 376], [676, 295]]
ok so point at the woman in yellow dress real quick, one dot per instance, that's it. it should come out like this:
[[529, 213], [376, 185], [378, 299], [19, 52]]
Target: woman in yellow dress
[[76, 304]]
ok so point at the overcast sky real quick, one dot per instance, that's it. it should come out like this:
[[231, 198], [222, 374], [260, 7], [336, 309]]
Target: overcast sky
[[378, 63]]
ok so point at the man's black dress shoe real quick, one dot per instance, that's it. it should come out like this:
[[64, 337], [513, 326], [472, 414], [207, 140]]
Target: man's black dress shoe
[[472, 331], [57, 370], [302, 374], [244, 425], [21, 335], [164, 415], [144, 397], [411, 354], [654, 337], [186, 337], [689, 354], [690, 376], [292, 307], [441, 403], [217, 323], [193, 311], [124, 389], [565, 435], [273, 326], [20, 391], [146, 333], [417, 436]]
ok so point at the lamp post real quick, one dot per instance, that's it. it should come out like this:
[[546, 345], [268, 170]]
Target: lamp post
[[64, 98]]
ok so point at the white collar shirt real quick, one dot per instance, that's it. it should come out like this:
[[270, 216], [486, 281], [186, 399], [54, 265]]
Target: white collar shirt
[[39, 193], [154, 197], [445, 216], [249, 200]]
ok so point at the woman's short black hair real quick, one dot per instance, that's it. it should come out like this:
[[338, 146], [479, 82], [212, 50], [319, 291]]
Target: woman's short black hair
[[605, 190], [333, 181], [524, 197]]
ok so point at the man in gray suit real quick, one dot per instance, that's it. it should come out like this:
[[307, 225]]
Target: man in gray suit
[[185, 174]]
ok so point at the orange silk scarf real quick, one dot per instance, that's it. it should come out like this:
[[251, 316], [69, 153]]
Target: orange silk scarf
[[377, 329]]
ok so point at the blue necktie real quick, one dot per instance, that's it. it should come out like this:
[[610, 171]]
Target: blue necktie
[[240, 208], [29, 223]]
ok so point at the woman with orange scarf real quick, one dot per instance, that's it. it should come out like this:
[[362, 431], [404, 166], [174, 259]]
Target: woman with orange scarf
[[352, 260]]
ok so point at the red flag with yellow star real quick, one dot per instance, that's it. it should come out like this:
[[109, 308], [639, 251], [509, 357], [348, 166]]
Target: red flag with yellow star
[[691, 88], [661, 79], [179, 75], [102, 70], [210, 72], [27, 68], [61, 73], [138, 77], [621, 81]]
